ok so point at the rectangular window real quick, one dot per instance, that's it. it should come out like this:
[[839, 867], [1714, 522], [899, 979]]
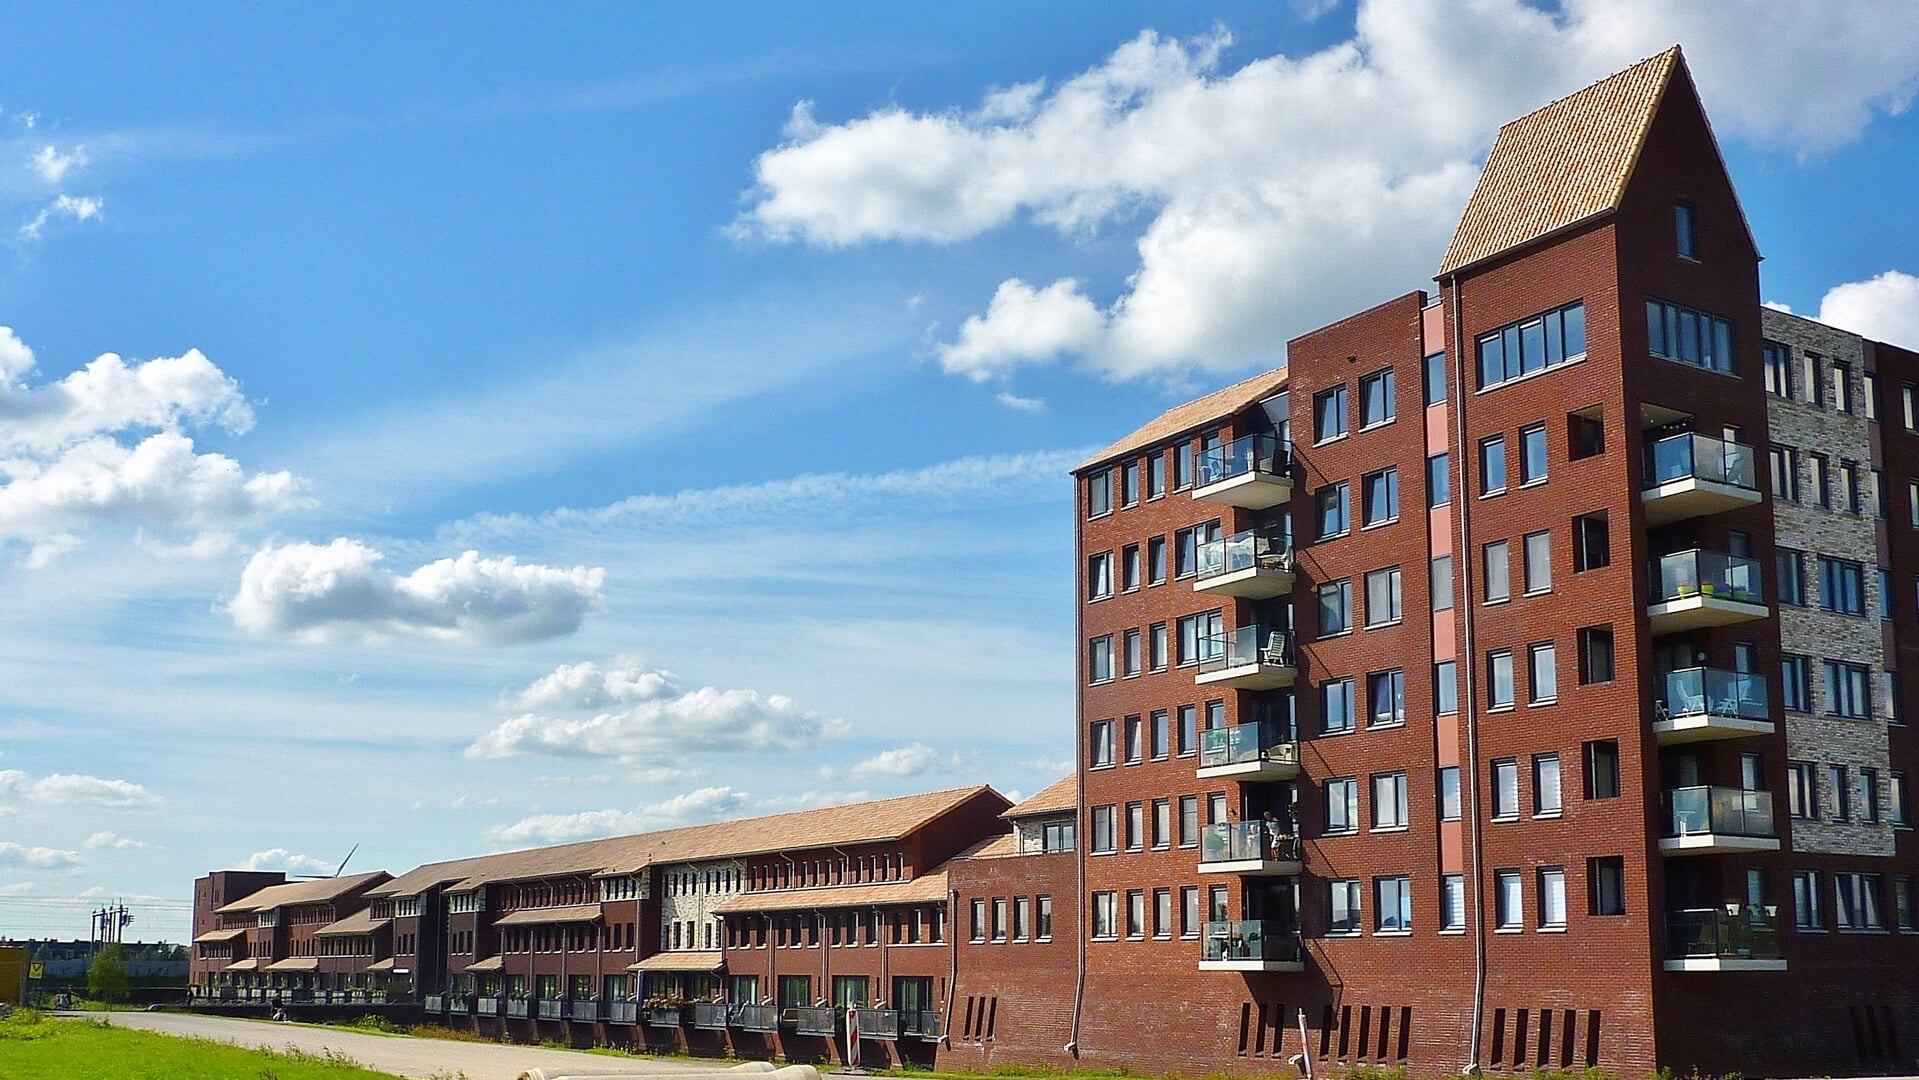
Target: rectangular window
[[1377, 401], [1099, 493], [1099, 576], [1839, 778], [1606, 880], [1129, 484], [1452, 902], [1022, 917], [1902, 904], [1856, 901], [1821, 481], [1509, 901], [1809, 380], [1386, 698], [1188, 730], [1802, 790], [999, 919], [978, 924], [1389, 801], [1785, 472], [1532, 454], [1099, 659], [1778, 359], [1156, 561], [1552, 896], [1329, 414], [1842, 586], [1435, 370], [1795, 683], [1498, 572], [1870, 806], [1162, 823], [1335, 607], [1160, 738], [1100, 743], [1688, 240], [1383, 596], [1890, 698], [1156, 475], [1446, 687], [1188, 820], [1546, 799], [1592, 547], [1439, 480], [1449, 798], [1805, 901], [1505, 788], [1135, 826], [1850, 478], [1848, 690], [1189, 911], [1530, 345], [1336, 706], [1162, 913], [1379, 497], [1492, 465], [1602, 769], [1136, 913], [1440, 583], [1688, 336], [1130, 654], [1885, 594], [1792, 576], [1199, 636], [1129, 568], [1160, 648], [1342, 805], [1105, 916], [1183, 466], [1539, 562], [1595, 655], [1897, 800], [1105, 842], [1499, 679], [1134, 741], [1841, 386], [1344, 906], [1909, 400], [1542, 665], [1392, 904], [1335, 513]]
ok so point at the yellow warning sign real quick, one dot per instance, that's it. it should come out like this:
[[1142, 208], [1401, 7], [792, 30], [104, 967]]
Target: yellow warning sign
[[36, 970]]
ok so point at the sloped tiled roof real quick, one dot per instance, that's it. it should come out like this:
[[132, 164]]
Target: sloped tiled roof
[[927, 888], [1214, 406], [855, 823], [543, 915], [999, 847], [317, 891], [360, 922], [1561, 164], [1061, 794], [709, 960]]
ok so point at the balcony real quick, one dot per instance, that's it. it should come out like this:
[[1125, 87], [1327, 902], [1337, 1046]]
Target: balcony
[[552, 1009], [434, 1003], [761, 1018], [1250, 945], [1249, 658], [1732, 938], [924, 1024], [459, 1004], [1718, 821], [876, 1023], [583, 1011], [1710, 703], [623, 1012], [1251, 752], [1252, 473], [1255, 565], [1246, 848], [707, 1016], [1690, 476], [814, 1021], [1693, 590], [519, 1008], [661, 1016], [490, 1005]]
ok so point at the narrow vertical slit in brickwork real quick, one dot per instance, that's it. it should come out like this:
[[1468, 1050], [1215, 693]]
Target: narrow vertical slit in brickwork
[[1592, 1038], [992, 1014], [1522, 1034], [1245, 1011], [1545, 1037], [1278, 1015], [1405, 1030], [1385, 1027], [1364, 1048], [1259, 1031], [1326, 1032], [1345, 1031], [1568, 1031], [1893, 1053], [966, 1029], [1499, 1036]]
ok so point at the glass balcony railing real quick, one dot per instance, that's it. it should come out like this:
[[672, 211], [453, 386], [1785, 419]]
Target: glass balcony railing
[[1246, 744], [1251, 454], [920, 1023], [815, 1020], [1734, 932], [519, 1008], [1700, 457], [1695, 811], [552, 1009], [1264, 548], [623, 1012], [1705, 691], [1249, 939], [761, 1018], [1245, 647], [1687, 574], [710, 1016], [877, 1023], [1244, 841]]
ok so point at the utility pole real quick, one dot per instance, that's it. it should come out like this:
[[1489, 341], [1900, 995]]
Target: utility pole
[[108, 925]]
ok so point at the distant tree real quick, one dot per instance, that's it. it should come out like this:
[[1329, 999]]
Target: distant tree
[[107, 975]]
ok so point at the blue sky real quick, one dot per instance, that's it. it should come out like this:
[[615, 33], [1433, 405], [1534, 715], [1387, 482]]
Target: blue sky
[[745, 347]]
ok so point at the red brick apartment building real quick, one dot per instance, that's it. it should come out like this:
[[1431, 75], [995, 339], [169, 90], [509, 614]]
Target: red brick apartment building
[[1530, 697], [1533, 698]]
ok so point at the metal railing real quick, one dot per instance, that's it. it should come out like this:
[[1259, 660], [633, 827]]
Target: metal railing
[[1700, 457], [660, 1016], [764, 1018], [1742, 932], [583, 1010], [876, 1023], [1249, 939], [707, 1016], [1249, 454], [1245, 744], [1697, 572], [552, 1009], [1245, 647], [1704, 691], [459, 1003], [622, 1012], [491, 1005], [1719, 810], [435, 1003], [519, 1008], [921, 1024], [1242, 841], [1268, 549], [815, 1020]]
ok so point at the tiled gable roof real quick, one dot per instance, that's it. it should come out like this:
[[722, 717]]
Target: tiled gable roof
[[1214, 406], [317, 891], [1561, 164], [1061, 794]]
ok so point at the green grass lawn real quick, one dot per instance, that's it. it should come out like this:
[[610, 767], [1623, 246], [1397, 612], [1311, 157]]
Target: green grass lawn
[[34, 1047]]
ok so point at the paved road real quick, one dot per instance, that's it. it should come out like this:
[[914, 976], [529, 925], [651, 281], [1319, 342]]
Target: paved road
[[417, 1058]]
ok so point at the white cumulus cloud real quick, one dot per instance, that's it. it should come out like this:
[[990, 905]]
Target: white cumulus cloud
[[1289, 191], [338, 591], [53, 166], [692, 808], [75, 789], [286, 861], [71, 207], [113, 840], [1885, 308], [898, 762], [587, 685], [37, 858]]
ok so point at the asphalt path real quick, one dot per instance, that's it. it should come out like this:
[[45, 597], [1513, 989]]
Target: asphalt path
[[418, 1058]]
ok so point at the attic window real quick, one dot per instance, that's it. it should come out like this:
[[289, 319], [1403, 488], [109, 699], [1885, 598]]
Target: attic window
[[1683, 225]]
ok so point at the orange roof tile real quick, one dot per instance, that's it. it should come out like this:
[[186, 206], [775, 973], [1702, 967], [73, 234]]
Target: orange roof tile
[[1181, 418], [1061, 794], [927, 888], [709, 960], [1561, 164], [317, 891]]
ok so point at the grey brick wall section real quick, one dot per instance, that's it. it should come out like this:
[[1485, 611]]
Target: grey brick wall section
[[1811, 631]]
